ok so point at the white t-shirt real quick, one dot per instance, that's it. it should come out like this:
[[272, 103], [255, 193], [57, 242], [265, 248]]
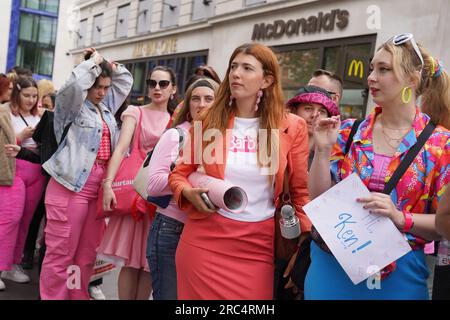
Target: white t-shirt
[[242, 170], [18, 125]]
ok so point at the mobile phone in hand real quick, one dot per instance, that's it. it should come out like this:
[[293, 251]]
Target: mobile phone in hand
[[207, 201]]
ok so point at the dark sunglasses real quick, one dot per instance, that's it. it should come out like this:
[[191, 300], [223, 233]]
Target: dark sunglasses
[[162, 83], [314, 89]]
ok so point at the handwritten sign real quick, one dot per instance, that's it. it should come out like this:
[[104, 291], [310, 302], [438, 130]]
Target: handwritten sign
[[363, 243]]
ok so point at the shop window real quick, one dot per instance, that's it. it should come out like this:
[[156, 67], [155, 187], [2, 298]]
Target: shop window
[[144, 16], [80, 34], [97, 29], [202, 9], [122, 21], [296, 69], [333, 56], [356, 67], [253, 2], [139, 77], [349, 58], [171, 13], [50, 6], [183, 65], [36, 44]]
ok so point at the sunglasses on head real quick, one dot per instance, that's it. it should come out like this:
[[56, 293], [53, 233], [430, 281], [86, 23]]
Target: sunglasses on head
[[162, 83], [405, 37]]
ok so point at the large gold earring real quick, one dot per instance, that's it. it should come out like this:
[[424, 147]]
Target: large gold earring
[[406, 95]]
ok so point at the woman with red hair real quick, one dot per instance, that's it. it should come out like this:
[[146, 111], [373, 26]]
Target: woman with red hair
[[6, 86], [222, 255]]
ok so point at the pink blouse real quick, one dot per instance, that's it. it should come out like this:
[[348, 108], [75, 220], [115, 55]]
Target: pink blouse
[[380, 165], [154, 123]]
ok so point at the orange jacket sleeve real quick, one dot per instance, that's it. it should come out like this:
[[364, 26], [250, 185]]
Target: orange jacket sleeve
[[298, 173]]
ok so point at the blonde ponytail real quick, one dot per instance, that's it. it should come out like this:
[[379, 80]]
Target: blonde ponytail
[[436, 92], [432, 84]]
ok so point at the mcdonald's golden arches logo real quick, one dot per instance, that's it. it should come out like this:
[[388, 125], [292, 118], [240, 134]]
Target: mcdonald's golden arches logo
[[355, 66]]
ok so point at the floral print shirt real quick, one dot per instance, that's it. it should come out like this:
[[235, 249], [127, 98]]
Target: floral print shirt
[[423, 183]]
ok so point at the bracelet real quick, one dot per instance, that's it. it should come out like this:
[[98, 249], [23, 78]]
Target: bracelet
[[106, 180], [409, 222]]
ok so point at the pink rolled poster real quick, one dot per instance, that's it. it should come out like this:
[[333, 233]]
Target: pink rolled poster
[[224, 195]]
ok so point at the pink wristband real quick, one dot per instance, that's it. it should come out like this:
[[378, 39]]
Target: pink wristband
[[409, 222]]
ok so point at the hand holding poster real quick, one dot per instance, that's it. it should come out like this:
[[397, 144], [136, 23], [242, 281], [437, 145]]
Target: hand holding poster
[[363, 243]]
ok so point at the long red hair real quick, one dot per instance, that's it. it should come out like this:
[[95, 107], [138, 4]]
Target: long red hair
[[271, 107]]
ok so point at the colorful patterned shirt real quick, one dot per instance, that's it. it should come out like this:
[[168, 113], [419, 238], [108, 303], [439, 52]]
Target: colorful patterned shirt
[[423, 183]]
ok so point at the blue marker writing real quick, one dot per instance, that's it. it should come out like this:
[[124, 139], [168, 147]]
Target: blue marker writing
[[362, 246]]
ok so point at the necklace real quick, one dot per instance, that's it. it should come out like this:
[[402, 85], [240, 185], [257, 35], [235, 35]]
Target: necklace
[[390, 139], [396, 129]]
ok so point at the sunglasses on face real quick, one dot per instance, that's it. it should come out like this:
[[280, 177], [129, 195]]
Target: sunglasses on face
[[162, 83], [405, 37]]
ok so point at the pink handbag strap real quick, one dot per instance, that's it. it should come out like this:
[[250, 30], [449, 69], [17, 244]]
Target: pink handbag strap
[[137, 133]]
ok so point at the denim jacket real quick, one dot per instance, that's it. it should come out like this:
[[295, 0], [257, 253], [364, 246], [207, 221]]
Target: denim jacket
[[72, 162]]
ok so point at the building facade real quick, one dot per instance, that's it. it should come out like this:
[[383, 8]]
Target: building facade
[[30, 38], [340, 36]]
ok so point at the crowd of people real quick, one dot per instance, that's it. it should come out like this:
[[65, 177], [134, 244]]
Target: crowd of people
[[60, 151]]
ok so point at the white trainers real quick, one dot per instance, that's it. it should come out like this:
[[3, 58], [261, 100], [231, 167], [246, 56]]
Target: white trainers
[[2, 285], [16, 274], [96, 293]]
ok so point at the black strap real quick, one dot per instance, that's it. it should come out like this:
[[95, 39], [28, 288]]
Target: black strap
[[409, 157], [26, 123], [180, 146], [352, 133], [64, 134]]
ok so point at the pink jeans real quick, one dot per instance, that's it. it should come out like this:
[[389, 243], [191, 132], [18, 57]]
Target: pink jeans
[[17, 205], [71, 235]]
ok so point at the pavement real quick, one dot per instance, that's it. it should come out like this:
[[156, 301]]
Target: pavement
[[30, 291]]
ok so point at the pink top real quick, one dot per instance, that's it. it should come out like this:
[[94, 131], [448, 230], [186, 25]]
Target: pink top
[[154, 122], [104, 152], [163, 156], [380, 165]]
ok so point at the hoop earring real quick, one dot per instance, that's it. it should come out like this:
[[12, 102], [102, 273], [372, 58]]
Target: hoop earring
[[230, 103], [408, 92], [258, 99]]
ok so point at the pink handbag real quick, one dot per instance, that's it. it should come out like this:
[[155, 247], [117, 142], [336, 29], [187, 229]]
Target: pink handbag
[[128, 200]]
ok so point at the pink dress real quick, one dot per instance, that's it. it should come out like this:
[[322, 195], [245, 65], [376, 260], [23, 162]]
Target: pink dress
[[125, 240]]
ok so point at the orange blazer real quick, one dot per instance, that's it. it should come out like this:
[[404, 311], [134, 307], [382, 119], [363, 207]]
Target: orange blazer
[[293, 155]]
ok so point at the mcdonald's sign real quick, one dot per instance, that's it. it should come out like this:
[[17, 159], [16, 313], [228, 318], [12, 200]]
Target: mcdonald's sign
[[356, 69], [355, 66]]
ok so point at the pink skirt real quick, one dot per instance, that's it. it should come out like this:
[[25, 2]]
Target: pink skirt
[[223, 259], [125, 242]]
